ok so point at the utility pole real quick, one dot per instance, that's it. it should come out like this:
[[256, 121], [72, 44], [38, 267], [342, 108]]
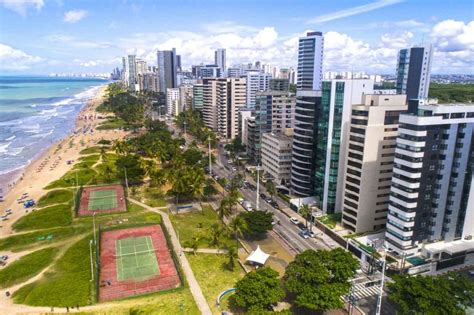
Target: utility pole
[[92, 265], [93, 226], [210, 160], [258, 187], [185, 129], [126, 179], [379, 301]]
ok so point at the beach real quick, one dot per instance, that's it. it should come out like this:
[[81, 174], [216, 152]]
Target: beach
[[53, 162]]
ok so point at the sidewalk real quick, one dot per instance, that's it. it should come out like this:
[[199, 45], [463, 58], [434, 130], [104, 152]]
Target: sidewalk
[[192, 282]]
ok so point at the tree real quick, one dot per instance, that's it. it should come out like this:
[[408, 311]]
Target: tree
[[158, 177], [305, 212], [259, 289], [448, 294], [231, 257], [258, 222], [233, 198], [216, 232], [209, 189], [318, 279], [238, 226], [195, 243], [224, 209], [130, 163], [271, 189]]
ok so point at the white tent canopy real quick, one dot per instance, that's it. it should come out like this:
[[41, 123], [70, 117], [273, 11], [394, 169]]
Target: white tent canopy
[[258, 256]]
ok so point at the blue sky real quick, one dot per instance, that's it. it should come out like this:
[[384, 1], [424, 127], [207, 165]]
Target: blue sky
[[42, 36]]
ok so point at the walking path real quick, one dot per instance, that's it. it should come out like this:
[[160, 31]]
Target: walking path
[[193, 284], [206, 250]]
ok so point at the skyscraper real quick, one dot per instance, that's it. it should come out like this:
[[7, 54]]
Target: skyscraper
[[432, 195], [220, 59], [369, 162], [257, 81], [307, 112], [413, 71], [132, 71], [222, 100], [167, 69], [331, 137]]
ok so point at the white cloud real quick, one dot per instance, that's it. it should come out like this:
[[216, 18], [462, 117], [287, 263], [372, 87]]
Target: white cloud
[[61, 40], [97, 62], [74, 16], [352, 11], [15, 60], [21, 6]]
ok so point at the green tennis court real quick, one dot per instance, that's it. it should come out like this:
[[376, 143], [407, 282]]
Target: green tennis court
[[136, 258], [102, 200]]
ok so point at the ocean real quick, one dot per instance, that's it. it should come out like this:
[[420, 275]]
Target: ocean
[[36, 112]]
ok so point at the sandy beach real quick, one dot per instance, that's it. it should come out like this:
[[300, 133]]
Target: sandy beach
[[52, 164]]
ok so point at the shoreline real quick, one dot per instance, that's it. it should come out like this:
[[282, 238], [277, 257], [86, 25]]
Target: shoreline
[[9, 180], [56, 160]]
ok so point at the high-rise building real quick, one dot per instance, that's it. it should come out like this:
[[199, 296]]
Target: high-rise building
[[257, 81], [220, 59], [431, 196], [186, 97], [276, 157], [244, 114], [331, 136], [124, 76], [210, 71], [167, 69], [131, 71], [274, 112], [173, 104], [234, 72], [279, 85], [413, 71], [141, 66], [198, 92], [222, 100], [178, 62], [369, 163], [307, 113]]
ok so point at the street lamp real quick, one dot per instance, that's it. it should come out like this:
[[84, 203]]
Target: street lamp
[[379, 301], [92, 265], [210, 169], [93, 227], [258, 187]]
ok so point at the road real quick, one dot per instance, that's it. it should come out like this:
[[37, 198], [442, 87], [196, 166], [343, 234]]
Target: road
[[286, 230]]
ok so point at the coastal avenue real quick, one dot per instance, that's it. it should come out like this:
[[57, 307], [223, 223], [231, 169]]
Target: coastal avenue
[[286, 231]]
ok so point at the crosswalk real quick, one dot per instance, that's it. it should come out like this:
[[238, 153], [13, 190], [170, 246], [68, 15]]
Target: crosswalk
[[362, 290]]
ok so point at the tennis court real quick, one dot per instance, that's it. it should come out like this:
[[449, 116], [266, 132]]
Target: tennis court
[[136, 258], [102, 200]]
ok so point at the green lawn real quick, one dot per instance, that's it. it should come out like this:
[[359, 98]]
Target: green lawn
[[331, 219], [198, 223], [91, 150], [55, 197], [90, 158], [214, 277], [112, 123], [25, 241], [152, 196], [84, 176], [26, 267], [49, 217], [68, 285]]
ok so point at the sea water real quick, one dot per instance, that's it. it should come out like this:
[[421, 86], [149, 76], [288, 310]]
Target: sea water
[[37, 111]]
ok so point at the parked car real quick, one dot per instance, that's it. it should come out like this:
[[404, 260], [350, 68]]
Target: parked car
[[241, 200], [274, 204], [303, 234], [263, 196], [311, 234], [247, 205], [4, 257], [471, 272], [301, 226], [294, 220]]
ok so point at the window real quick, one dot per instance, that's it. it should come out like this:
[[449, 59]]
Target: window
[[390, 129]]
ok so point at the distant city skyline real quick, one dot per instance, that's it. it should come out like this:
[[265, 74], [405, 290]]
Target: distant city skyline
[[42, 37]]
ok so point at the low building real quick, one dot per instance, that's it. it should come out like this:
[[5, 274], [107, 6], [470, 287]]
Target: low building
[[276, 157]]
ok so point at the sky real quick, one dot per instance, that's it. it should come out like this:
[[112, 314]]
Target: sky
[[58, 36]]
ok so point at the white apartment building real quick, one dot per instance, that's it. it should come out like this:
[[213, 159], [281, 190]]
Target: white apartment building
[[369, 161], [276, 157], [173, 102], [257, 81]]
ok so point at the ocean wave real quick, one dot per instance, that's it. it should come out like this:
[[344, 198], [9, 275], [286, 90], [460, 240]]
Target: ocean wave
[[4, 147], [43, 135], [10, 138], [14, 151], [81, 97]]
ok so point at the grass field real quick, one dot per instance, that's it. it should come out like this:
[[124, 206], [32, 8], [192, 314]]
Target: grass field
[[26, 267], [91, 150], [152, 196], [112, 123], [198, 223], [69, 284], [55, 197], [49, 217], [214, 277]]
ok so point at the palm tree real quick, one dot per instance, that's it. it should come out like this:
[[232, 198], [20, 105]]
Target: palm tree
[[195, 243], [305, 212], [158, 177], [216, 232], [103, 154], [224, 209], [271, 188], [238, 226], [232, 255], [233, 198]]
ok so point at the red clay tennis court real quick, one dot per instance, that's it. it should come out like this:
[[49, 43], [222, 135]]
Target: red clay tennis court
[[102, 199], [135, 261]]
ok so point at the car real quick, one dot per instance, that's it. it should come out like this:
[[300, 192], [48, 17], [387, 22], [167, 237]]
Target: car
[[4, 257], [303, 234], [263, 196], [252, 187], [4, 218], [247, 205], [241, 200], [471, 272], [229, 161], [274, 204], [311, 234], [234, 169], [294, 220]]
